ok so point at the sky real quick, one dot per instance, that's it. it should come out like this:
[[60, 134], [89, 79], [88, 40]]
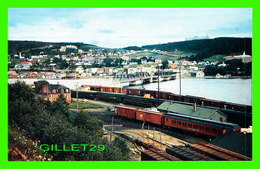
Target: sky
[[122, 27]]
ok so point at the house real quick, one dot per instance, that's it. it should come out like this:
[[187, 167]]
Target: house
[[192, 110], [12, 74], [51, 92], [198, 74], [32, 75], [79, 69], [244, 57], [23, 65]]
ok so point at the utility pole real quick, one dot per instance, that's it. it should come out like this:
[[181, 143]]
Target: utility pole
[[77, 96], [180, 77], [159, 81], [111, 133]]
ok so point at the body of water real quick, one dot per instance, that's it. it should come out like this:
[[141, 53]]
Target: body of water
[[230, 90]]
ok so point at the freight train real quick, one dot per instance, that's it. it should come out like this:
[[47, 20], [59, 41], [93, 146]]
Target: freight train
[[171, 120], [175, 97]]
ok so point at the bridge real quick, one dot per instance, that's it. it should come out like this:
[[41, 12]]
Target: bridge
[[143, 77]]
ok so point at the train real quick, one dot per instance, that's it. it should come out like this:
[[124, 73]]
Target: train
[[243, 119], [171, 96], [178, 121]]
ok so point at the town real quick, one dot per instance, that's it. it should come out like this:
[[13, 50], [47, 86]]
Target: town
[[72, 62], [110, 112]]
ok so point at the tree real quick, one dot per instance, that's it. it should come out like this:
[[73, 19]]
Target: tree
[[84, 121], [122, 146], [165, 64], [39, 84], [60, 106]]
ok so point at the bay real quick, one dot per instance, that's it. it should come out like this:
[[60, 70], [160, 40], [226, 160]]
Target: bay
[[229, 90]]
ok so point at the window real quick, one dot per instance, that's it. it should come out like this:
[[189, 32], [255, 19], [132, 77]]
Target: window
[[184, 124], [207, 129], [189, 125], [195, 126], [179, 123]]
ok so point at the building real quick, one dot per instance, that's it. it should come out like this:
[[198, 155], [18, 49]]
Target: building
[[192, 110], [51, 92], [244, 57]]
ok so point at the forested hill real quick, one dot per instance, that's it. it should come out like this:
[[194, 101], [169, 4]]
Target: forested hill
[[32, 47], [207, 47]]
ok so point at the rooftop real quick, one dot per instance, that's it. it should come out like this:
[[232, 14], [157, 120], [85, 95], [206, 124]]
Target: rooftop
[[188, 110]]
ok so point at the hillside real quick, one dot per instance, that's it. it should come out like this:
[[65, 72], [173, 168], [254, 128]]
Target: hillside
[[35, 47], [208, 47]]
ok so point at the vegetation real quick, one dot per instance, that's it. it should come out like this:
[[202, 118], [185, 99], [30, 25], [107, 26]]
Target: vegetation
[[41, 122], [208, 47], [234, 67], [39, 84], [81, 105]]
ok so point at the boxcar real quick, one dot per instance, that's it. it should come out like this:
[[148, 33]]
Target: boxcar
[[197, 125], [125, 111], [95, 88], [193, 99], [136, 92], [212, 103], [176, 97], [149, 116], [165, 95], [117, 90]]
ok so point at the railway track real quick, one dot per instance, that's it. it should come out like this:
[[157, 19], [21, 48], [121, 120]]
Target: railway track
[[218, 153], [157, 155], [156, 150]]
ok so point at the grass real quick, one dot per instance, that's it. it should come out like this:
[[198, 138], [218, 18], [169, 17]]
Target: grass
[[85, 105], [215, 58]]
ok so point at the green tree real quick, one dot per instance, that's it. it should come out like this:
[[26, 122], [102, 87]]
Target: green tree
[[60, 106], [165, 64], [39, 84], [84, 121], [122, 146]]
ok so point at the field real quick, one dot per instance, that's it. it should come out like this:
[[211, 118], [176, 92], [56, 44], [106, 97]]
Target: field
[[85, 105]]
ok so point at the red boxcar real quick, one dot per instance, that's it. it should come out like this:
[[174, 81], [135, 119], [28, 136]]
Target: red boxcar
[[165, 95], [176, 97], [117, 90], [149, 116], [124, 90], [192, 99], [125, 111], [137, 92], [212, 103], [94, 88]]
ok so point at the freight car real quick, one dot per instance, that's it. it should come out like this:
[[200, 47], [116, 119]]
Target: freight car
[[178, 121], [175, 97]]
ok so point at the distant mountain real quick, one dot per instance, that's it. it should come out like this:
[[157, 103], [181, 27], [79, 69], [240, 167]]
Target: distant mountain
[[205, 48]]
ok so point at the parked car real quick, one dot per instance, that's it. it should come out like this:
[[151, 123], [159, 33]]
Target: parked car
[[104, 131], [111, 109], [84, 100]]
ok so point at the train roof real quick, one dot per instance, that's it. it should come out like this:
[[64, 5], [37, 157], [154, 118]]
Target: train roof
[[126, 107], [184, 109], [201, 121]]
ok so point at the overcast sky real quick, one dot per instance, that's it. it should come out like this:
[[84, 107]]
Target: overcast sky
[[122, 27]]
